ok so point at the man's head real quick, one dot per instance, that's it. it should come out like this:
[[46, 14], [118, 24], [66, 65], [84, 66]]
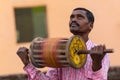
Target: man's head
[[81, 21]]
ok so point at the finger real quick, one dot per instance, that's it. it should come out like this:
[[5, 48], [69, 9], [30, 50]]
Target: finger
[[97, 49], [27, 50], [19, 50], [22, 50], [101, 49], [104, 46], [93, 50]]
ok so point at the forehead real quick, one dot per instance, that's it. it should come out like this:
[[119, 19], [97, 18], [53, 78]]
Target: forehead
[[82, 12]]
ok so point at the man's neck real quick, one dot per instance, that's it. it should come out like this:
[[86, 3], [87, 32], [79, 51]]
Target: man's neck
[[85, 37]]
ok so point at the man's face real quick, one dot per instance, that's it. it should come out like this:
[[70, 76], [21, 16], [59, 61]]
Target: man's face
[[79, 22]]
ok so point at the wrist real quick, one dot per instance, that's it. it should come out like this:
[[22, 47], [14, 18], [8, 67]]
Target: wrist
[[96, 66], [26, 63]]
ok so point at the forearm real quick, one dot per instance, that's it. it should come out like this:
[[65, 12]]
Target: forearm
[[99, 75], [101, 72], [96, 66], [34, 74]]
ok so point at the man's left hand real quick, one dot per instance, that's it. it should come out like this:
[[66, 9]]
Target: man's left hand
[[97, 54]]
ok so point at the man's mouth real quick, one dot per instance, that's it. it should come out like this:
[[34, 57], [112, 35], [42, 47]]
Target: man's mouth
[[74, 28], [74, 24]]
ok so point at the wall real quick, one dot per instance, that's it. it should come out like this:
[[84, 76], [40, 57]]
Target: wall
[[106, 27]]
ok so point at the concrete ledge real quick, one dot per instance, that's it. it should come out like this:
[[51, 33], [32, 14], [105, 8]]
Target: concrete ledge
[[14, 77]]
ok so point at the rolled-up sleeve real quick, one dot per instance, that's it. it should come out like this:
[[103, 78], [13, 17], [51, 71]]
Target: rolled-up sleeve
[[103, 72], [34, 74]]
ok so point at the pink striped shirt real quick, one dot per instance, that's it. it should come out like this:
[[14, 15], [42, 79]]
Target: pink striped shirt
[[69, 73]]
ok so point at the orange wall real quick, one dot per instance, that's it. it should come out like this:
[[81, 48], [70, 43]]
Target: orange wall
[[106, 27]]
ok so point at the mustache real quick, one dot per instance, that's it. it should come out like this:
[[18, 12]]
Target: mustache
[[74, 22]]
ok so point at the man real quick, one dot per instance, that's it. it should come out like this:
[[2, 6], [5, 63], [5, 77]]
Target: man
[[97, 63]]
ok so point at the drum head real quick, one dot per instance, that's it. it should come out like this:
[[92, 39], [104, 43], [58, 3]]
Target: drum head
[[74, 44]]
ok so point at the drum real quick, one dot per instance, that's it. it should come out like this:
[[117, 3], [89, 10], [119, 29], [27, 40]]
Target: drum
[[60, 52], [74, 45], [49, 52]]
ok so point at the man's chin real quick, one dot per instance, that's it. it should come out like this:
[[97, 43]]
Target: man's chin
[[74, 32]]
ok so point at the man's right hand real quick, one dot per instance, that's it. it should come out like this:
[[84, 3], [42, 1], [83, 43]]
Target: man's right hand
[[22, 52]]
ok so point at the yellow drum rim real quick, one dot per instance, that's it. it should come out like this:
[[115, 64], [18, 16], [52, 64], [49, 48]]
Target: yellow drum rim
[[76, 43]]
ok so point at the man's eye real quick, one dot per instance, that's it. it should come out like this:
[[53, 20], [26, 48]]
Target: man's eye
[[80, 16], [72, 16]]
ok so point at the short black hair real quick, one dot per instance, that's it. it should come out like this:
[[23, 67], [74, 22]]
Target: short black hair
[[89, 14]]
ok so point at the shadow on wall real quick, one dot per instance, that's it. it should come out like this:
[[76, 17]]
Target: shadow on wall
[[113, 74]]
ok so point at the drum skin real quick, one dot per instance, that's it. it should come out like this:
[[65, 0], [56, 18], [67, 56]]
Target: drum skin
[[74, 44]]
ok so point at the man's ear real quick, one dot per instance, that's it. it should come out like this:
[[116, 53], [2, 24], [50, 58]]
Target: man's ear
[[90, 26]]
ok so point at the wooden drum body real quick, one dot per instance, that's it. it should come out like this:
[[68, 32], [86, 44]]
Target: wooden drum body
[[57, 52], [49, 52]]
